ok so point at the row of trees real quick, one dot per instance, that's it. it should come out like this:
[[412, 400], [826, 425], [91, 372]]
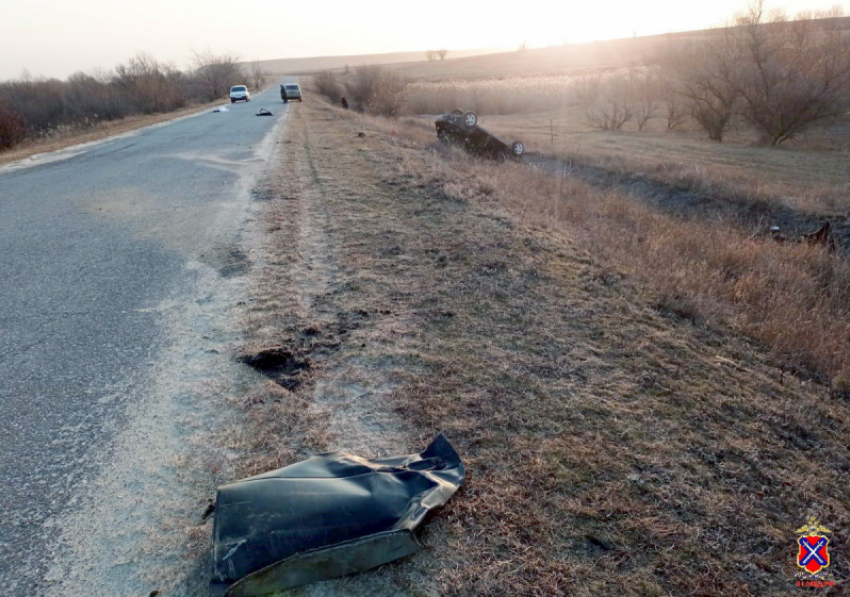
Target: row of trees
[[32, 107], [433, 55], [777, 75]]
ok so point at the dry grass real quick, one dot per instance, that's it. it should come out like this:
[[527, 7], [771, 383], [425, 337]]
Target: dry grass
[[513, 95], [791, 297], [613, 446], [809, 176]]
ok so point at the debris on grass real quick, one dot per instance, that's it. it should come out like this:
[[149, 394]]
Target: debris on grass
[[329, 516]]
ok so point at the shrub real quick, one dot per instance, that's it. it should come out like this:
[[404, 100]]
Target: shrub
[[13, 129], [329, 85], [377, 90], [151, 86], [43, 107], [614, 104]]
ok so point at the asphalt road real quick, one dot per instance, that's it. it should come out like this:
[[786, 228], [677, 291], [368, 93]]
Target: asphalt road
[[90, 244]]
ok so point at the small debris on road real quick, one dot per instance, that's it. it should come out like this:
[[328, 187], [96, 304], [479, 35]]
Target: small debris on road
[[264, 112]]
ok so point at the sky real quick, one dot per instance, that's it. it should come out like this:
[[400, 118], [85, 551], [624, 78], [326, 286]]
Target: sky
[[58, 37]]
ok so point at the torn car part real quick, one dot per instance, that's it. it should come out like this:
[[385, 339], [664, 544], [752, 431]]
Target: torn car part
[[331, 515], [462, 128], [823, 237]]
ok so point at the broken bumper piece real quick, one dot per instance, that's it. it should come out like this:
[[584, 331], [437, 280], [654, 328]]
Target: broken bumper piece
[[331, 515]]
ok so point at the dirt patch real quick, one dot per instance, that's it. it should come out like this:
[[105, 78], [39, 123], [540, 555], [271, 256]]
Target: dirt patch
[[280, 365], [230, 261]]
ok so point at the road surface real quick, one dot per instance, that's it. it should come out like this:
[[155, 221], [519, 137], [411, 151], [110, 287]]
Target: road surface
[[94, 241]]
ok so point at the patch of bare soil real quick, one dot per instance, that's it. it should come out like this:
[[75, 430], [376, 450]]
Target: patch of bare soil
[[614, 446]]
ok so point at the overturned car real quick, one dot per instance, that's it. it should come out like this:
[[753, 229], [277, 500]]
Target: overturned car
[[462, 127]]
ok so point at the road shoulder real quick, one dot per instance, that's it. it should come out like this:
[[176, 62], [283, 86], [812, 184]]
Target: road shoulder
[[599, 428]]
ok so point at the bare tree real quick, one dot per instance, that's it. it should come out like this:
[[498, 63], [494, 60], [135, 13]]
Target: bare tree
[[216, 72], [778, 74], [442, 53], [703, 73], [790, 73], [431, 55], [612, 106], [92, 98], [676, 115], [153, 86], [258, 75], [647, 88]]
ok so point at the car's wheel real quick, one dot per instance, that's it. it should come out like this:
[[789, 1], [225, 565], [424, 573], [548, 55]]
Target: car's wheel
[[232, 101], [517, 148], [470, 119]]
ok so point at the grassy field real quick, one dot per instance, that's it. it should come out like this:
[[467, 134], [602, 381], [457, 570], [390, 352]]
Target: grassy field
[[582, 350], [533, 96], [717, 203], [810, 174], [496, 96]]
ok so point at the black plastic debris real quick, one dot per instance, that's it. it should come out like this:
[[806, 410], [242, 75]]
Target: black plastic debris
[[264, 112], [331, 515]]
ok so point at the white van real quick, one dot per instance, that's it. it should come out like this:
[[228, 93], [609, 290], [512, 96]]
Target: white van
[[239, 92]]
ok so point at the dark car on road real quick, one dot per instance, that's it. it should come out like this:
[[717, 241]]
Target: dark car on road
[[462, 128], [290, 92]]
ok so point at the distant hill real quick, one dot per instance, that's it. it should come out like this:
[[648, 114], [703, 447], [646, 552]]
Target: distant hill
[[293, 66], [560, 59]]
